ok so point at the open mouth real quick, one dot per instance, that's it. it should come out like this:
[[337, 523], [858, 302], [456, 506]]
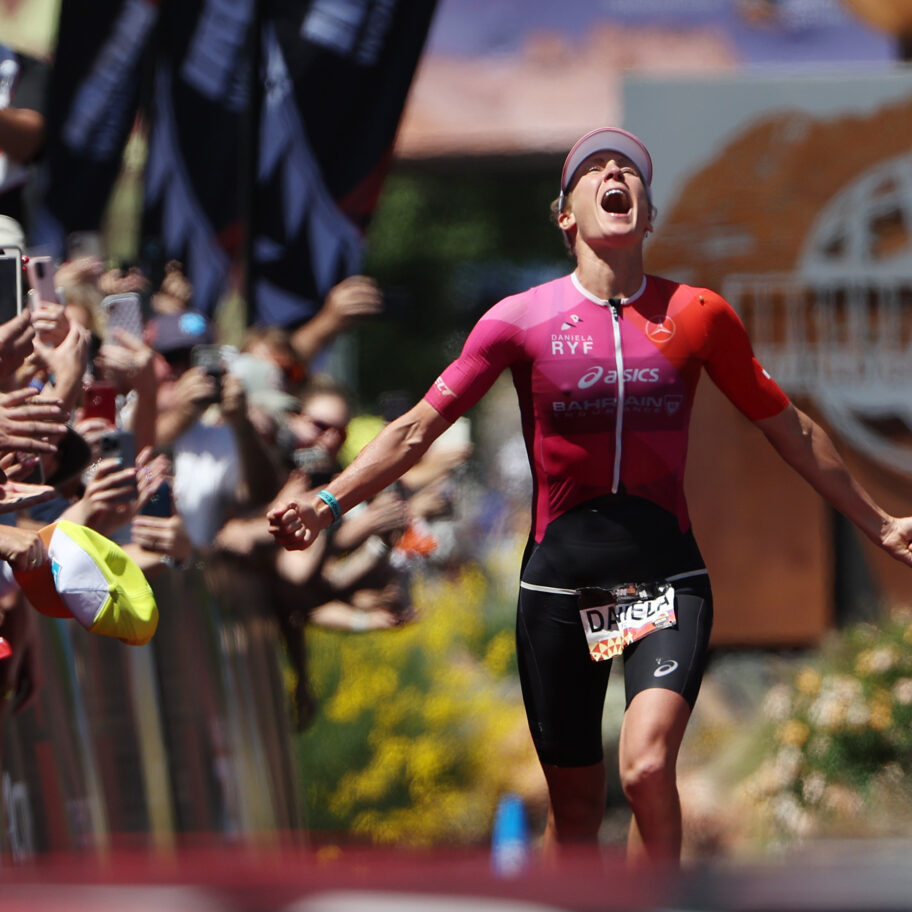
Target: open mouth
[[616, 201]]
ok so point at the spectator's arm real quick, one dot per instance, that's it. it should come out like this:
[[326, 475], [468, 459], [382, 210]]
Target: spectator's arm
[[130, 364], [22, 133], [16, 337], [352, 299], [345, 573], [66, 364], [386, 513], [20, 675], [192, 393], [260, 482]]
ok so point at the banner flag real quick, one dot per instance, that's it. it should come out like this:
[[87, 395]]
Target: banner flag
[[284, 170]]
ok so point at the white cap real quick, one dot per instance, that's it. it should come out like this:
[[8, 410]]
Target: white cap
[[607, 139], [11, 233]]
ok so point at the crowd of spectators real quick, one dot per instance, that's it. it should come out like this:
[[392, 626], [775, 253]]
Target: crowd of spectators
[[170, 442]]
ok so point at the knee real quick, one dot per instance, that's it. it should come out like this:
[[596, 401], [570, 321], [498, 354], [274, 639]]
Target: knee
[[577, 806], [647, 774], [576, 819]]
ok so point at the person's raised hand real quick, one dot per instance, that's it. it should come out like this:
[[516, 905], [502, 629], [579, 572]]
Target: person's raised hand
[[166, 535], [67, 361], [128, 363], [50, 321], [16, 337], [196, 387], [30, 424], [23, 548], [110, 497], [234, 399], [78, 271], [353, 298]]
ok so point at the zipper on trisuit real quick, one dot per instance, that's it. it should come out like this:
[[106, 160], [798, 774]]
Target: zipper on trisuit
[[619, 416]]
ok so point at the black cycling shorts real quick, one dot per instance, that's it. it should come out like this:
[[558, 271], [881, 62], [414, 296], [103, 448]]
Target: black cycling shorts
[[604, 542]]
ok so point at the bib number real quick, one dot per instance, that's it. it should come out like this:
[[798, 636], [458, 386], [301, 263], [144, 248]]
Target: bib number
[[614, 618]]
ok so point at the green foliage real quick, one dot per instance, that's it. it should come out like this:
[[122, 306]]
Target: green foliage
[[446, 246], [840, 737], [421, 729]]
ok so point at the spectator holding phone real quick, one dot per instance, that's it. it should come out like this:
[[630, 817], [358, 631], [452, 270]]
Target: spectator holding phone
[[221, 464], [128, 365]]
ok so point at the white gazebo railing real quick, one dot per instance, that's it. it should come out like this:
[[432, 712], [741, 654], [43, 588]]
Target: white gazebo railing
[[848, 345]]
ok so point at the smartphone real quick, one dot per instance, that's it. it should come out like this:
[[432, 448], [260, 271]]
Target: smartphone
[[10, 283], [161, 503], [209, 358], [119, 445], [41, 277], [123, 311], [100, 401]]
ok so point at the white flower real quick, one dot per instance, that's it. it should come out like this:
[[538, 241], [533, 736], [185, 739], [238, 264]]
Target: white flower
[[857, 714], [902, 691], [789, 814], [777, 704], [813, 787]]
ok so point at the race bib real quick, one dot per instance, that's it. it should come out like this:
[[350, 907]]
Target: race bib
[[616, 617]]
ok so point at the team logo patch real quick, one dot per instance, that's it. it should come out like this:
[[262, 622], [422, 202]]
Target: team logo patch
[[660, 328], [571, 324]]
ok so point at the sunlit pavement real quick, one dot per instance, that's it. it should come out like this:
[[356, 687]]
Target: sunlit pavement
[[865, 876]]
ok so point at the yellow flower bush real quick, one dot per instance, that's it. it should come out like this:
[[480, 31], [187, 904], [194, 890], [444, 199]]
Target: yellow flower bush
[[421, 728]]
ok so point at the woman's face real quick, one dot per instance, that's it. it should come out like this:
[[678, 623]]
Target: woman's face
[[608, 203], [323, 422]]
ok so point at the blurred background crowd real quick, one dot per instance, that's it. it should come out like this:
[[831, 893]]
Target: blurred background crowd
[[175, 444]]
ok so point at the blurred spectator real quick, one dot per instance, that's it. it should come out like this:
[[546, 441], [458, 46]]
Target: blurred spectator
[[221, 463], [273, 344], [22, 128]]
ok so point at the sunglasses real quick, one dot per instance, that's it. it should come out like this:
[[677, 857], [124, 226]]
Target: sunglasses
[[323, 426]]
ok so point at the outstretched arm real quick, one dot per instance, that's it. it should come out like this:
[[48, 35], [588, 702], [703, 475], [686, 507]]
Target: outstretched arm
[[395, 450], [807, 448]]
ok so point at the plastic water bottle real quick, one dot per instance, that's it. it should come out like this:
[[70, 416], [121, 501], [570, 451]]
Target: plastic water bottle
[[509, 838]]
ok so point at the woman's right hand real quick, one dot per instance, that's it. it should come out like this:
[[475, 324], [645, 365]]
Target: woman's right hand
[[294, 526]]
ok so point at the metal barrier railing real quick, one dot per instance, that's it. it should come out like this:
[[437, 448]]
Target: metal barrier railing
[[186, 737]]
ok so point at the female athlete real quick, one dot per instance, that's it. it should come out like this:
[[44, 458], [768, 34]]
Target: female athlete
[[605, 362]]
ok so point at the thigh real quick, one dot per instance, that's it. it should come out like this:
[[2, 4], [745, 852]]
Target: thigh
[[563, 688], [674, 658]]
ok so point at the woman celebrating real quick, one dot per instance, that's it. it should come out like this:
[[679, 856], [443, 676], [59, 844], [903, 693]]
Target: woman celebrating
[[605, 362]]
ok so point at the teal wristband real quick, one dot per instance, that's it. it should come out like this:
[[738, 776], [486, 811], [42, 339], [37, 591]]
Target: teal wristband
[[332, 503]]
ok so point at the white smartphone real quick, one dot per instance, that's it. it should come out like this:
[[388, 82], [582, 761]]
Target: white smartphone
[[41, 277], [123, 311]]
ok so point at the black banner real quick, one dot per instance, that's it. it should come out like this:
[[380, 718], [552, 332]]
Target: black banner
[[272, 125], [196, 176], [93, 97], [337, 76]]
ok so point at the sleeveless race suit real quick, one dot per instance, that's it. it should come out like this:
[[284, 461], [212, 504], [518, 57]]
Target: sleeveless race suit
[[605, 391]]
